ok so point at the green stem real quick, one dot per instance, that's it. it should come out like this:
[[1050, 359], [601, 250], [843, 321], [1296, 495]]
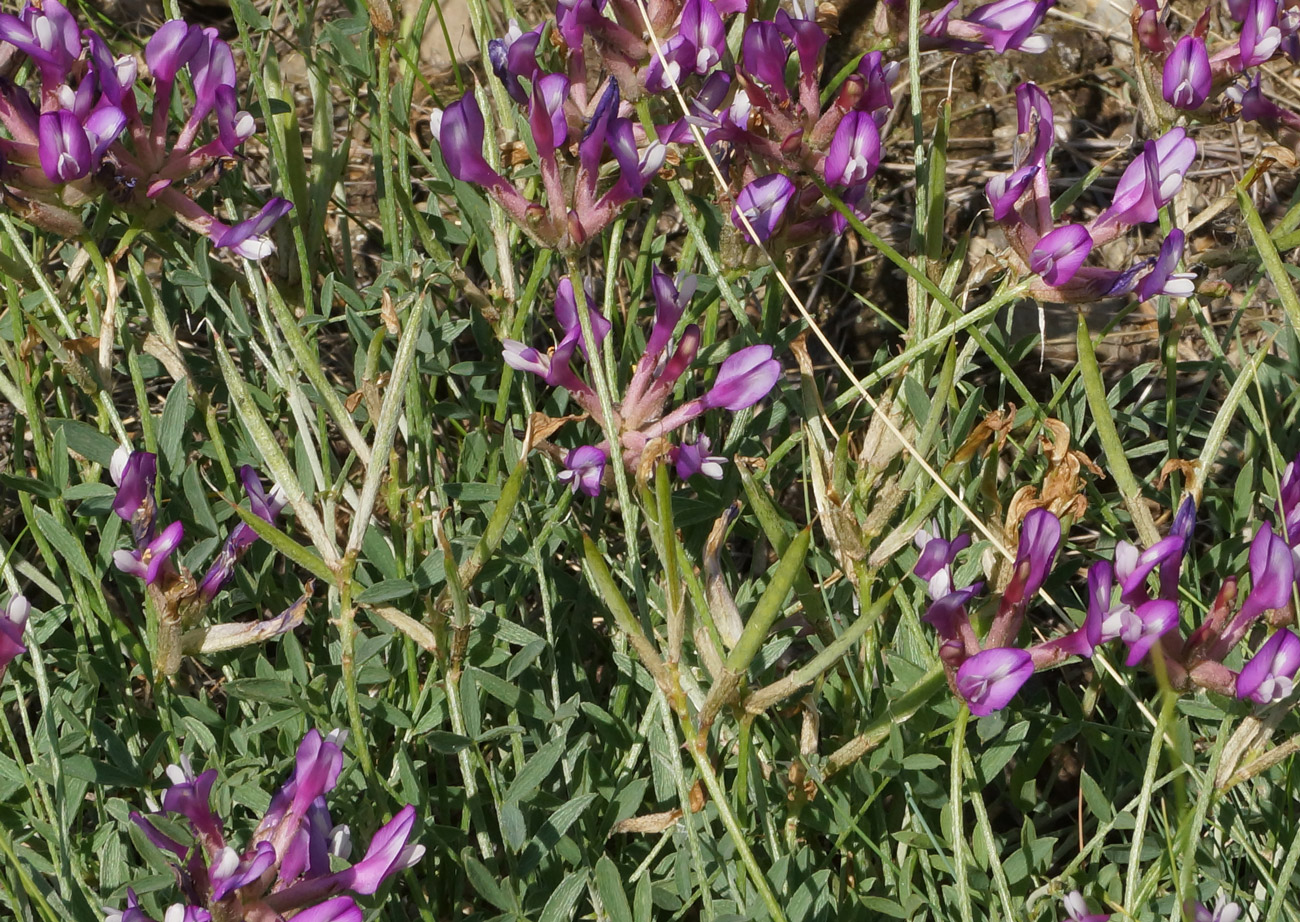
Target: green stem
[[955, 805], [1108, 435]]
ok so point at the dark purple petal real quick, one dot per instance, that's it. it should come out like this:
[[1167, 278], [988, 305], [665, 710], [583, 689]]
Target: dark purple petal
[[102, 128], [460, 136], [1145, 625], [12, 621], [935, 562], [246, 238], [338, 909], [546, 112], [1260, 36], [947, 614], [1272, 573], [1162, 279], [191, 797], [64, 148], [1132, 568], [1270, 674], [583, 469], [990, 679], [1187, 80], [566, 314], [388, 854], [1060, 253], [1034, 118], [854, 152], [669, 307], [1005, 190], [515, 56], [1040, 536], [691, 458], [170, 49], [744, 379], [135, 483], [763, 55], [227, 873], [763, 203]]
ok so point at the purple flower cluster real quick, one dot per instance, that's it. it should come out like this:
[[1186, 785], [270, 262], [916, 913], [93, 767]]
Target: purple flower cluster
[[135, 473], [1124, 606], [1021, 202], [284, 869], [1191, 75], [1002, 26], [771, 134], [83, 136], [744, 378], [13, 618]]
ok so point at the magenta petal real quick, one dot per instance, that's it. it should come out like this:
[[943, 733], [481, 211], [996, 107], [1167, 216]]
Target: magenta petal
[[1153, 620], [64, 149], [388, 854], [763, 202], [1186, 80], [1270, 674], [990, 679], [1272, 573], [1060, 253], [338, 909], [744, 379], [854, 153]]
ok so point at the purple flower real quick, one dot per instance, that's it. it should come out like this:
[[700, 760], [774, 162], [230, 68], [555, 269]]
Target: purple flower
[[515, 56], [1010, 24], [1270, 674], [12, 620], [64, 147], [854, 152], [1060, 253], [48, 34], [990, 679], [1260, 36], [546, 112], [132, 912], [1140, 628], [1151, 180], [1005, 190], [246, 238], [744, 379], [1187, 79], [763, 203], [150, 561], [338, 909], [1288, 503], [583, 469], [228, 872], [191, 796], [1133, 567], [1040, 536], [1162, 279], [170, 48], [1076, 910], [695, 49], [134, 473], [242, 537], [1034, 117], [693, 458], [566, 314], [1224, 911], [670, 304], [1272, 572], [935, 562], [459, 130], [389, 854], [763, 56]]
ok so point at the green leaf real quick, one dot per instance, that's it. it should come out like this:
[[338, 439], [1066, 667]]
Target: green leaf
[[609, 884], [559, 908], [67, 546], [171, 429], [86, 440], [535, 771]]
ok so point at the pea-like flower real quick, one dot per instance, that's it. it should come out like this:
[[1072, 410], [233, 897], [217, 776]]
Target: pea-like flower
[[1187, 80], [285, 869], [1270, 674], [12, 621], [991, 678], [88, 139], [584, 468]]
